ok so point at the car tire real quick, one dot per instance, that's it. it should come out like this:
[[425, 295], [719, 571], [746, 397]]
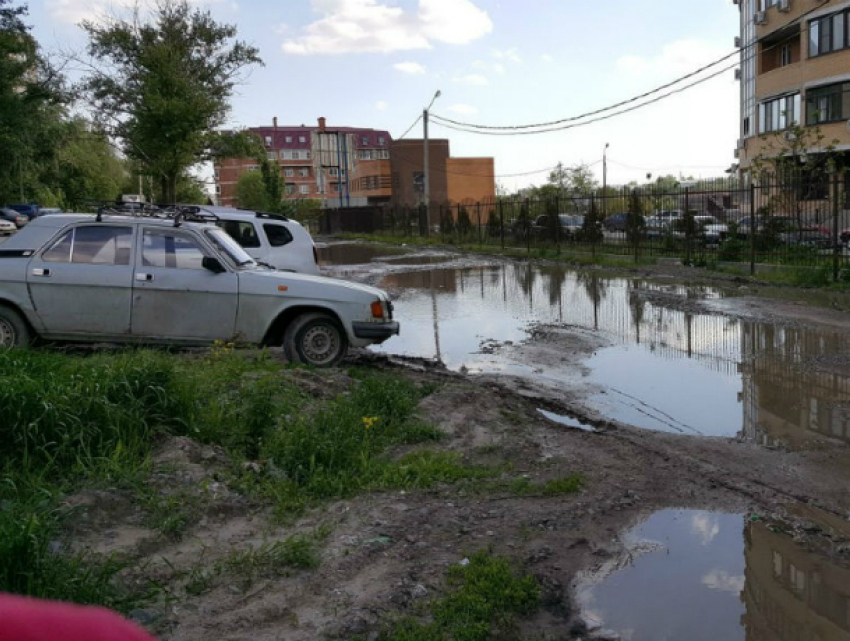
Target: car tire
[[315, 339], [14, 331]]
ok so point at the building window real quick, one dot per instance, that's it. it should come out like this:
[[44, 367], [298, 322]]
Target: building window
[[290, 189], [302, 139], [287, 154], [333, 171], [381, 141], [272, 155], [785, 55], [828, 104], [828, 34], [268, 141], [304, 172], [289, 139], [365, 140], [779, 113], [289, 173], [304, 189], [364, 154], [252, 167]]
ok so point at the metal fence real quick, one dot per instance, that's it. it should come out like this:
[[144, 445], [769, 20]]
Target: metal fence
[[801, 224]]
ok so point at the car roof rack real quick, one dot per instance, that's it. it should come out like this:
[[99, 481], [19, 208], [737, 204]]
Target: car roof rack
[[179, 213], [270, 216]]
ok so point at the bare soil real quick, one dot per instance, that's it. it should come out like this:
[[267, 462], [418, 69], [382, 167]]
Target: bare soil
[[386, 554]]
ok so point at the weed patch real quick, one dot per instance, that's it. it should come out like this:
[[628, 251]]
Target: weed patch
[[484, 600]]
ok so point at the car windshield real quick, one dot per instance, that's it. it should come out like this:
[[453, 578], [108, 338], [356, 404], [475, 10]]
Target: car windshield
[[230, 247]]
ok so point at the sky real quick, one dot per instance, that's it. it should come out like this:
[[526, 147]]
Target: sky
[[378, 63]]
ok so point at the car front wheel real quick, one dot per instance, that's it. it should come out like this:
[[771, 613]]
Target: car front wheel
[[315, 339], [13, 329]]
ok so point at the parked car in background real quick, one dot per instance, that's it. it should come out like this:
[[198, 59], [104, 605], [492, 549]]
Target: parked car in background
[[273, 239], [711, 230], [181, 280], [616, 222], [570, 226], [46, 211], [29, 210], [808, 237], [845, 236], [12, 216], [7, 227]]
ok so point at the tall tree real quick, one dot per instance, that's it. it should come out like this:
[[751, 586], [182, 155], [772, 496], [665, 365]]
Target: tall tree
[[163, 84], [30, 99]]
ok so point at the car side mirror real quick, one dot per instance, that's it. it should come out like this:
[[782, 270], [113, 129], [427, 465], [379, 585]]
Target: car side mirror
[[212, 264]]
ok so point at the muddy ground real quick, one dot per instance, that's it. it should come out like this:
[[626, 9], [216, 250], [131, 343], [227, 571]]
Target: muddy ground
[[386, 554]]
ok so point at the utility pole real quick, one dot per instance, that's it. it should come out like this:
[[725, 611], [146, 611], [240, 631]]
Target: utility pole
[[426, 173], [604, 181]]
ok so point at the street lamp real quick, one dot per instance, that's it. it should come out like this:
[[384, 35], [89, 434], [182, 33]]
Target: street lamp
[[604, 180], [427, 171]]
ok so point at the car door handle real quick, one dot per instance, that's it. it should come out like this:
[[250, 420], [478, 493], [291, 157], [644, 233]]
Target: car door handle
[[145, 278], [43, 272]]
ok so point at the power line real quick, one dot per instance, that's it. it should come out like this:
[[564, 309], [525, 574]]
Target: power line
[[544, 127], [409, 129], [593, 120]]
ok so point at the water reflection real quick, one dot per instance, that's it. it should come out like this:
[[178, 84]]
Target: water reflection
[[705, 575], [668, 368]]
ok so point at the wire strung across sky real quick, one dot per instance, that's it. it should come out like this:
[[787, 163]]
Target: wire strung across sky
[[747, 52]]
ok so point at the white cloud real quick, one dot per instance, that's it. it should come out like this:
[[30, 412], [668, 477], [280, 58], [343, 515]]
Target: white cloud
[[676, 59], [546, 58], [381, 105], [369, 26], [75, 11], [495, 67], [465, 110], [723, 581], [510, 54], [413, 68], [473, 79], [705, 526]]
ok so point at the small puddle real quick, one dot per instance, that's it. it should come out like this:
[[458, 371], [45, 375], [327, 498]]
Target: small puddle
[[665, 362], [705, 575], [569, 421]]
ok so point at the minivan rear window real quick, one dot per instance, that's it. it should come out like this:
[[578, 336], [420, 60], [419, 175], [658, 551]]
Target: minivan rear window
[[278, 235]]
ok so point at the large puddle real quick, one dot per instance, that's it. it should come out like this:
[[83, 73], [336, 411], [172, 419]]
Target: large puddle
[[661, 367], [705, 576]]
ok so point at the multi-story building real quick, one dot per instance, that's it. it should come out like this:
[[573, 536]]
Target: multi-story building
[[343, 166], [795, 69]]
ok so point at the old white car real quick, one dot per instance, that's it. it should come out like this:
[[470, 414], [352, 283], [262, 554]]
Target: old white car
[[180, 280]]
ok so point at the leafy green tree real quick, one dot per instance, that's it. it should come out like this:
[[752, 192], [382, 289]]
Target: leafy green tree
[[591, 226], [31, 95], [635, 221], [494, 225], [447, 221], [251, 192], [163, 85]]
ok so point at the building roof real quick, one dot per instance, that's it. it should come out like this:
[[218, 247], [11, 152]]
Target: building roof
[[364, 138]]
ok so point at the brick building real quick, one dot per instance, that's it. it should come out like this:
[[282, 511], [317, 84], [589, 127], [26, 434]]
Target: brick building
[[795, 68], [355, 167], [346, 166]]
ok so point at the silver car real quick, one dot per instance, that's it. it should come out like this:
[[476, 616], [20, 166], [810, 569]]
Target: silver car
[[125, 278]]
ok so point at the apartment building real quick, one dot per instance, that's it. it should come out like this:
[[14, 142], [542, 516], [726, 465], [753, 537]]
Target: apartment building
[[338, 166], [795, 69]]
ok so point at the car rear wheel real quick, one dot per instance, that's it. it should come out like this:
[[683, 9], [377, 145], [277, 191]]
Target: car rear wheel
[[315, 339], [14, 331]]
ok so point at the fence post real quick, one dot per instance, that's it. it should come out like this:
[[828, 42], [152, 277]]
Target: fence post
[[502, 222], [835, 244], [527, 224], [689, 225], [752, 229], [478, 206]]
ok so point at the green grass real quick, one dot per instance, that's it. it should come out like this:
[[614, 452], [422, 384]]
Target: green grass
[[484, 600], [72, 422]]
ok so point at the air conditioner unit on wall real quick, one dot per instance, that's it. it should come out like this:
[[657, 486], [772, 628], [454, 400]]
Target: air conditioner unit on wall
[[737, 74], [785, 5], [737, 153], [737, 42], [760, 17]]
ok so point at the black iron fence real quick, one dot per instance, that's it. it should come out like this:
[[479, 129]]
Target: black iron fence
[[800, 224]]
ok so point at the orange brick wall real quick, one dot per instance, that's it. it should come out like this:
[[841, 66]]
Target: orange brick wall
[[471, 180]]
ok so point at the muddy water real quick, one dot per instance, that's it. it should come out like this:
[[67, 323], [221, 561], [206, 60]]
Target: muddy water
[[705, 575], [658, 363]]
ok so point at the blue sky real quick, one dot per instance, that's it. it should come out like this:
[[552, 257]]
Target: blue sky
[[377, 63]]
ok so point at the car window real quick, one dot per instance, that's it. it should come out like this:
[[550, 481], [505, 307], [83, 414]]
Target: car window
[[92, 245], [165, 248], [230, 247], [278, 235], [243, 233]]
